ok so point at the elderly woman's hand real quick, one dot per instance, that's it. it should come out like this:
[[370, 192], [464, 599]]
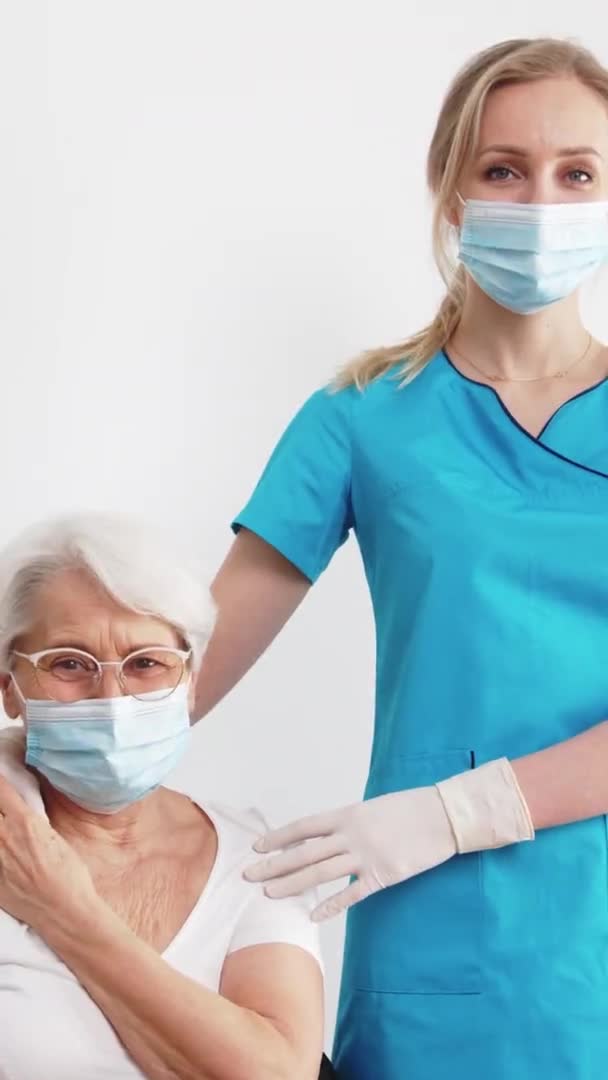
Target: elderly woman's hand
[[14, 769], [43, 881]]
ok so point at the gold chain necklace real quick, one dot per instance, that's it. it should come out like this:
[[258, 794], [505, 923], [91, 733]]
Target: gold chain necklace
[[535, 378]]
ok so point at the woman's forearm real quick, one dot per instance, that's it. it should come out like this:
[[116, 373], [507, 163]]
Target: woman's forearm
[[173, 1028], [256, 592], [568, 781]]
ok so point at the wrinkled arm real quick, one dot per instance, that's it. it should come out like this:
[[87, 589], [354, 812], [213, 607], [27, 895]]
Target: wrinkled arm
[[256, 591], [266, 1024]]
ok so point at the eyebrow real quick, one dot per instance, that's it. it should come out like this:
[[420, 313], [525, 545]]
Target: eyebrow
[[67, 644], [517, 151]]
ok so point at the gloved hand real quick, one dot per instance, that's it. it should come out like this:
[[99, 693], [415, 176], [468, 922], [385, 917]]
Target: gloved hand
[[14, 769], [393, 837]]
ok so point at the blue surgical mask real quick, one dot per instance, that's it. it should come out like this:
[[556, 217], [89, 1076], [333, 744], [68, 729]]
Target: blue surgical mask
[[106, 753], [526, 256]]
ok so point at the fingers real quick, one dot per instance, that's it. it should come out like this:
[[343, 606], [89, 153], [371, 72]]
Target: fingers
[[295, 858], [319, 874], [340, 901], [12, 741], [305, 829], [10, 800]]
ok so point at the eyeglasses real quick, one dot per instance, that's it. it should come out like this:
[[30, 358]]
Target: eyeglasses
[[71, 674]]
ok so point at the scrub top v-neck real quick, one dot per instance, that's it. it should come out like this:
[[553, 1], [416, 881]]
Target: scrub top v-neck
[[486, 555], [558, 433]]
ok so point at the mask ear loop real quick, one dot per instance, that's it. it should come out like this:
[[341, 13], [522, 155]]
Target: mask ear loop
[[458, 224], [21, 696]]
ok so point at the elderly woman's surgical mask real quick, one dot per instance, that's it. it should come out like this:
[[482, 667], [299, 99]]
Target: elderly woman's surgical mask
[[106, 753]]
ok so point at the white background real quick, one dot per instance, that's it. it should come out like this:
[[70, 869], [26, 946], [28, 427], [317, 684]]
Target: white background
[[205, 208]]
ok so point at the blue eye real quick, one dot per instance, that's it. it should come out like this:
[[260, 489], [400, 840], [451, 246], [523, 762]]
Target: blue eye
[[580, 176], [499, 172]]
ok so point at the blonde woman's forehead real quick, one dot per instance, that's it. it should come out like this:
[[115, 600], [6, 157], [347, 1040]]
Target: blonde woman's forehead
[[555, 116]]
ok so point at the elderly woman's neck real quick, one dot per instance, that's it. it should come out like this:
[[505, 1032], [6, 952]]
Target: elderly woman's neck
[[128, 828]]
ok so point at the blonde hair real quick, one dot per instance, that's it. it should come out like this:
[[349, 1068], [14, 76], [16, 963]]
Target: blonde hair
[[452, 145]]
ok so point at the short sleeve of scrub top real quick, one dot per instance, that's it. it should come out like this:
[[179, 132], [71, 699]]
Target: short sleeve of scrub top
[[301, 505]]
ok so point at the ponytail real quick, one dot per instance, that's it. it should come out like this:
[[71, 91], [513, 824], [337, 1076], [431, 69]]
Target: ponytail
[[412, 355]]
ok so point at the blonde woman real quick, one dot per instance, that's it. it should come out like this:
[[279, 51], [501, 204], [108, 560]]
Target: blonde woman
[[471, 462]]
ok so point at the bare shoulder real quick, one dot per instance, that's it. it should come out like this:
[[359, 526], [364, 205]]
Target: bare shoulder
[[273, 966], [283, 984]]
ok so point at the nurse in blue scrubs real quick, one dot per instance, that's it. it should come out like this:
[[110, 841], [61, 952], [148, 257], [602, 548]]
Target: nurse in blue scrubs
[[471, 464]]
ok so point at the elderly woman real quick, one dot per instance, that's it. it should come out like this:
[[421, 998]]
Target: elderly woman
[[130, 945]]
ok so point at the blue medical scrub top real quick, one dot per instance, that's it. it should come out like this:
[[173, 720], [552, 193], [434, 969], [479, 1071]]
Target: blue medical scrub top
[[486, 556]]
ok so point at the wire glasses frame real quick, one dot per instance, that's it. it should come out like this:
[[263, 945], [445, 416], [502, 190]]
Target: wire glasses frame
[[155, 668]]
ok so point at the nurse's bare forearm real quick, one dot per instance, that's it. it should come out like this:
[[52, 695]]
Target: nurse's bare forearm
[[256, 591], [568, 781], [173, 1028]]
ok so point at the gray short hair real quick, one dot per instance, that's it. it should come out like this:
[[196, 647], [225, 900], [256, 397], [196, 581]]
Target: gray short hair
[[131, 559]]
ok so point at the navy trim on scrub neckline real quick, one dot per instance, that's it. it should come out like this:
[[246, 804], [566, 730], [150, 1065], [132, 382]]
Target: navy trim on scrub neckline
[[536, 439]]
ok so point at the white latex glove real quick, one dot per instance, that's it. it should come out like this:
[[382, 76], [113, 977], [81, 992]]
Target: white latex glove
[[391, 838], [14, 769]]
